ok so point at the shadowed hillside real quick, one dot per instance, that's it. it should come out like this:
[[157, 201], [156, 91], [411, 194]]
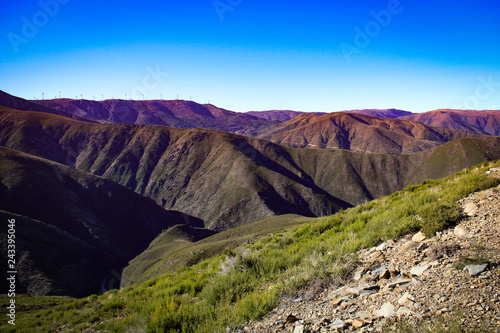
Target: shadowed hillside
[[73, 228], [358, 132]]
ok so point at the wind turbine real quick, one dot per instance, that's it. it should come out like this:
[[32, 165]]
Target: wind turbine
[[102, 97], [81, 96], [161, 96], [43, 96], [59, 94], [125, 96], [142, 96]]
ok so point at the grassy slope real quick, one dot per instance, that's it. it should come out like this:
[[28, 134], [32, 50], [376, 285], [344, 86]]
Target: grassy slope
[[173, 249], [245, 283]]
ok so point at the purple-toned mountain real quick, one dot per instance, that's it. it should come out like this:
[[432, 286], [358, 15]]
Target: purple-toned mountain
[[384, 113], [284, 115], [25, 105], [174, 113], [279, 115], [485, 122], [359, 132]]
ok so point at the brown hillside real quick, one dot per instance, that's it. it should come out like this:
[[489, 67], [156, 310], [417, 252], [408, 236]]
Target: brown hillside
[[484, 122], [358, 132]]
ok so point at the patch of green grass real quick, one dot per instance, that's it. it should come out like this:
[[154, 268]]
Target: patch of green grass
[[179, 251], [438, 216], [465, 261], [244, 282]]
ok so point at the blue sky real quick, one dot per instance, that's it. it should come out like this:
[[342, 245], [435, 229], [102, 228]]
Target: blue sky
[[247, 55]]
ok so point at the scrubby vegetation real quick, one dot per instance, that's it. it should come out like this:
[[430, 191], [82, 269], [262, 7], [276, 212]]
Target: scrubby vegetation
[[244, 283]]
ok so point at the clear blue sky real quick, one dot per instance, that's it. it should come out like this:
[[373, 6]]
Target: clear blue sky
[[247, 55]]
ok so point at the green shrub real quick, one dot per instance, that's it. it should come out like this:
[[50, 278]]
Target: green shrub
[[438, 216], [488, 183], [465, 261]]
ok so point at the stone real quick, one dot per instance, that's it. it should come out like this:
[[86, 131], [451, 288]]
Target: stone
[[460, 231], [352, 291], [337, 302], [387, 310], [470, 209], [405, 298], [418, 237], [364, 293], [338, 324], [358, 274], [382, 247], [290, 318], [404, 312], [357, 323], [407, 246], [418, 270], [364, 315], [393, 270], [475, 269], [370, 287], [378, 270], [397, 282], [299, 329], [384, 274]]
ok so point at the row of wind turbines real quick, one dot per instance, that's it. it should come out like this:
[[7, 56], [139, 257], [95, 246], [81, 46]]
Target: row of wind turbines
[[102, 97]]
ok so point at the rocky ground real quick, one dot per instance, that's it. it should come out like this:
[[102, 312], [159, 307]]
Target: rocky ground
[[414, 280]]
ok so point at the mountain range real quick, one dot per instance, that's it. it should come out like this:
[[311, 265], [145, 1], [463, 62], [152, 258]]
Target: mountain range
[[94, 182]]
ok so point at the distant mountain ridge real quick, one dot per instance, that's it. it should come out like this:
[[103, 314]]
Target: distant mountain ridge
[[384, 113], [279, 115], [360, 132], [174, 113], [486, 121], [25, 105], [188, 114]]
